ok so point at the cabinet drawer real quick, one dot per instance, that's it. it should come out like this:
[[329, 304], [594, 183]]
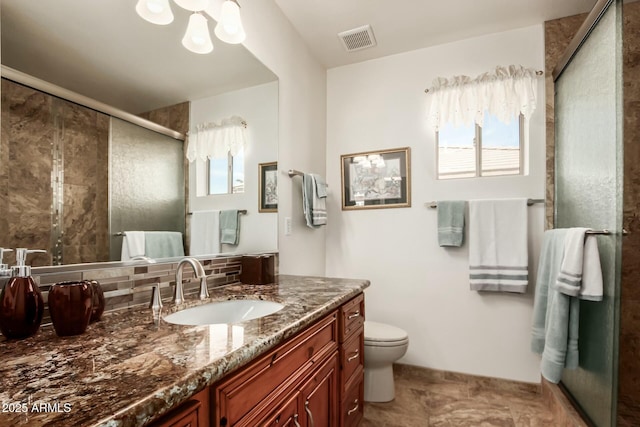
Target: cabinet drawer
[[352, 355], [352, 407], [274, 375], [351, 317]]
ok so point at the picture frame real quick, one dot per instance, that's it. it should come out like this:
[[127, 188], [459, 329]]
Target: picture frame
[[268, 187], [376, 179]]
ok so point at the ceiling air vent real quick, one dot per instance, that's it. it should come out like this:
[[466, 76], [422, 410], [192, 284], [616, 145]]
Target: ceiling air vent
[[358, 38]]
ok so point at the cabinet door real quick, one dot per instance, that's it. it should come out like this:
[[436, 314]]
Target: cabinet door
[[319, 396], [193, 413], [287, 415]]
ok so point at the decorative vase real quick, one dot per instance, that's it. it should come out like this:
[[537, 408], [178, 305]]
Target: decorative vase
[[98, 301], [70, 306], [21, 308]]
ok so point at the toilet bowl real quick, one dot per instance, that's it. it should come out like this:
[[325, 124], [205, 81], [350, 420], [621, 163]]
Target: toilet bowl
[[383, 345]]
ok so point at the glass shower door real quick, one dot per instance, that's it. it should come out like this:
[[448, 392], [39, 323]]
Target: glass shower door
[[146, 182], [589, 172]]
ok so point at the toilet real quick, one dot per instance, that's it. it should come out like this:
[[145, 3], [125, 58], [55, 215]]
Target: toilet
[[383, 345]]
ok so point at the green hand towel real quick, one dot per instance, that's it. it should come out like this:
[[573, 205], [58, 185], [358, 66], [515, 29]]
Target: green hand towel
[[451, 222], [229, 227]]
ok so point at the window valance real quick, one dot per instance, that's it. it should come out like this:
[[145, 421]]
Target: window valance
[[216, 140], [505, 94]]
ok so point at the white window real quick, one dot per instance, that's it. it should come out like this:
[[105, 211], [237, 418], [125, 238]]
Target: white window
[[471, 151], [226, 176]]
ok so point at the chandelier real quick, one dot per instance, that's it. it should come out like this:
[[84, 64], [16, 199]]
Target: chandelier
[[197, 38]]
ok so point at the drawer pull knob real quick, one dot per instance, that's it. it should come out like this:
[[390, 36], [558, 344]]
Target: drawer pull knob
[[354, 409], [295, 420], [354, 315], [309, 414], [355, 356]]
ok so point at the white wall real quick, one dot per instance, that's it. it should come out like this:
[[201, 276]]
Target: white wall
[[258, 105], [415, 284], [302, 126]]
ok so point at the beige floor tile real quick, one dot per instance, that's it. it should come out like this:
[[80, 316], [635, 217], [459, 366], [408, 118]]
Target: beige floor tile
[[429, 398]]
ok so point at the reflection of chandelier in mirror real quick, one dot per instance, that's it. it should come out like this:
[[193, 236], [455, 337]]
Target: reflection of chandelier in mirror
[[371, 160], [197, 38]]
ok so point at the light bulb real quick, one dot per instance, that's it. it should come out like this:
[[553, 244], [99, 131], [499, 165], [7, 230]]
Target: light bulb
[[229, 28], [155, 11], [193, 5], [197, 38]]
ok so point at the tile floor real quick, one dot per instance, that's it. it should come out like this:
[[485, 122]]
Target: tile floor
[[426, 398]]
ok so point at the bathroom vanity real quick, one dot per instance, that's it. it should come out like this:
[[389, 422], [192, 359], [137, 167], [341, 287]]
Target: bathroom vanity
[[299, 366]]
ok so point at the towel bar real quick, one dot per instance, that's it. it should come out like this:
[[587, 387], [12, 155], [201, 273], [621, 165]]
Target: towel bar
[[241, 212], [293, 172], [434, 204]]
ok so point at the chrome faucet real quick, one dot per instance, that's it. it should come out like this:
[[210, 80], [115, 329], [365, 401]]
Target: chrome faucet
[[178, 296]]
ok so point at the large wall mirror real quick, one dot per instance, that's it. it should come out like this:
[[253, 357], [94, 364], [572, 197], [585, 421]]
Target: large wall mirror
[[73, 179]]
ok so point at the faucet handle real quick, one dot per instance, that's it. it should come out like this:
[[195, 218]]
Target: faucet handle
[[156, 298], [204, 291]]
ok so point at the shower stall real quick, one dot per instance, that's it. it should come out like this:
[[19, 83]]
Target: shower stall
[[596, 185]]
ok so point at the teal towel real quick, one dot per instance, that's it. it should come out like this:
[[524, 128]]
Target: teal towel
[[313, 204], [229, 227], [163, 244], [451, 222], [555, 315]]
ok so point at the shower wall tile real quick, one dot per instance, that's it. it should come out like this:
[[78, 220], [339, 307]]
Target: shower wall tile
[[32, 122], [4, 161], [175, 117], [102, 188], [629, 378], [27, 135]]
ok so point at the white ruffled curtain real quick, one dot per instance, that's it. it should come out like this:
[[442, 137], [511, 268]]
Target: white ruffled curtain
[[215, 140], [505, 94]]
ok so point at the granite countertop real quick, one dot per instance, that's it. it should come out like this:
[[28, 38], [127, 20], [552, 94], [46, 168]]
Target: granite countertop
[[128, 369]]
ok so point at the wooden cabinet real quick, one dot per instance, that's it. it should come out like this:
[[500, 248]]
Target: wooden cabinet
[[351, 338], [248, 398], [314, 379], [193, 413], [320, 395]]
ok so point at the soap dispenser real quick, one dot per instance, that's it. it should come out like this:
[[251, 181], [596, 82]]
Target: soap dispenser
[[4, 268], [21, 303], [5, 272]]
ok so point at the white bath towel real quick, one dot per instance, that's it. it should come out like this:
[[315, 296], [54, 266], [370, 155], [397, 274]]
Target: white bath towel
[[205, 233], [498, 253], [133, 245], [580, 273]]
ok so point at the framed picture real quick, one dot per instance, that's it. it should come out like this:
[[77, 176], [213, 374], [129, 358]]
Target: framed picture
[[268, 194], [376, 179]]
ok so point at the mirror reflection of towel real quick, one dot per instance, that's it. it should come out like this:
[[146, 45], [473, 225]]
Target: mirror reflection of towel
[[163, 244], [132, 245], [229, 227], [205, 233]]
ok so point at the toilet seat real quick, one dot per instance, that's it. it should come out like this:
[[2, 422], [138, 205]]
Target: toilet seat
[[382, 335]]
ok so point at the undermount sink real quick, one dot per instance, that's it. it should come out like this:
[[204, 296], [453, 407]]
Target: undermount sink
[[232, 311]]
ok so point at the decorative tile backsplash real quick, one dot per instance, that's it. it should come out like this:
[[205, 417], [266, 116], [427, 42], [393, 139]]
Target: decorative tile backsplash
[[128, 286]]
